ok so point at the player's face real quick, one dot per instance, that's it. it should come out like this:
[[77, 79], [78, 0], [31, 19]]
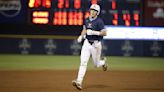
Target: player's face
[[93, 13]]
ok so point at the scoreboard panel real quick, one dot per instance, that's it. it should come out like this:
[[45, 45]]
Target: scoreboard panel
[[73, 12]]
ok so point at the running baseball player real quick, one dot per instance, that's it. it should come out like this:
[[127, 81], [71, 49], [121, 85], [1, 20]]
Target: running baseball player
[[93, 31]]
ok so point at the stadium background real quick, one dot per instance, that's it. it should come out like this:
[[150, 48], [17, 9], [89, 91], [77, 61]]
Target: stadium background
[[41, 57]]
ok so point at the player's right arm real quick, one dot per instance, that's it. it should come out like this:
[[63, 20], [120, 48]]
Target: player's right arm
[[83, 32]]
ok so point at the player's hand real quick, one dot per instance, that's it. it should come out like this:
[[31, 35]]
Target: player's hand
[[103, 33], [79, 39]]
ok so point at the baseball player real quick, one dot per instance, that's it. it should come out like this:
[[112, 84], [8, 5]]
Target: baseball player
[[93, 31]]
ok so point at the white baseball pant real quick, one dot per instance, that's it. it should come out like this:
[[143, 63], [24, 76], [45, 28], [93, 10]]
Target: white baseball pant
[[87, 50]]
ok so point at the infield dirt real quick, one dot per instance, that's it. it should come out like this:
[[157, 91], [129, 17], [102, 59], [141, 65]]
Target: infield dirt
[[95, 81]]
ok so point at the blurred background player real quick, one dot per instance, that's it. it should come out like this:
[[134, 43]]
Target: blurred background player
[[94, 31]]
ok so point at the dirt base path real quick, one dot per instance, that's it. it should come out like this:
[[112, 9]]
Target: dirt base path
[[95, 81]]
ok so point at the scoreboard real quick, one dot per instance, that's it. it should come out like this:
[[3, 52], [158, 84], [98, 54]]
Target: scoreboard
[[74, 12]]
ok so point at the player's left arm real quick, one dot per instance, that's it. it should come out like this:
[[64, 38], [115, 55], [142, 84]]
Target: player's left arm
[[102, 32], [94, 32]]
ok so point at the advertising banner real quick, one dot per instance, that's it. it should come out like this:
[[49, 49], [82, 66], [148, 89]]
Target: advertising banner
[[71, 47]]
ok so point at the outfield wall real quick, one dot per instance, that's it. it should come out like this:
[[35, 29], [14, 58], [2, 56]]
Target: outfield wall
[[53, 45]]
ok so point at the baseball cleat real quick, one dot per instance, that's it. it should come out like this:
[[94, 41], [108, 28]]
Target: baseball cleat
[[105, 66], [77, 85]]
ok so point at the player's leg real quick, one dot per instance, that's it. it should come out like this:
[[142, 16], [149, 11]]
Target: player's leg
[[85, 54], [96, 56]]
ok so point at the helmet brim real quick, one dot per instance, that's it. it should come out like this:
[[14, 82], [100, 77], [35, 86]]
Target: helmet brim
[[94, 10]]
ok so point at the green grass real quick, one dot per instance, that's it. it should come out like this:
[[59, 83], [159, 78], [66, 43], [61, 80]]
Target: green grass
[[53, 62], [137, 63]]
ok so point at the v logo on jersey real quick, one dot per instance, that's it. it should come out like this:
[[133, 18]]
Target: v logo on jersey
[[89, 25]]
